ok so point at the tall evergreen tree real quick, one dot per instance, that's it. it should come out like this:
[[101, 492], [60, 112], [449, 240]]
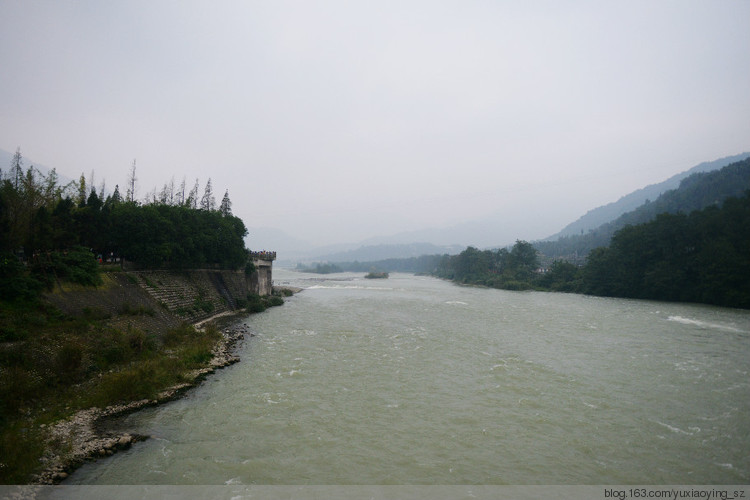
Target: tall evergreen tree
[[116, 196], [130, 194], [226, 205], [192, 200], [16, 169], [181, 193], [81, 198], [208, 202]]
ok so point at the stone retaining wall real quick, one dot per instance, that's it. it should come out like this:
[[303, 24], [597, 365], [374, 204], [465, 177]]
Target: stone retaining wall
[[156, 301]]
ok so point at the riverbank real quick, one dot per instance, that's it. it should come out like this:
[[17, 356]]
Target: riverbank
[[83, 355], [82, 435]]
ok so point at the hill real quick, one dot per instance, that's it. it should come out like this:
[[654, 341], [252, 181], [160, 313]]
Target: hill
[[695, 192], [608, 213]]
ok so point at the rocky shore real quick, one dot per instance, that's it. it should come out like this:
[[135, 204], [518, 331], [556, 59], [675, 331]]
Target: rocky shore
[[82, 434]]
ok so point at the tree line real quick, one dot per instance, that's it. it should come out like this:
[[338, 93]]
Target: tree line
[[512, 269], [701, 257], [50, 231], [424, 264]]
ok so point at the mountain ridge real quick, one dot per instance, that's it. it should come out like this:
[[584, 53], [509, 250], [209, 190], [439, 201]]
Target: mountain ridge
[[595, 217], [695, 192]]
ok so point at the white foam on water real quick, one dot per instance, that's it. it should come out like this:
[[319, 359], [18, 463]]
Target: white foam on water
[[457, 302], [348, 287], [677, 430], [306, 332], [704, 324]]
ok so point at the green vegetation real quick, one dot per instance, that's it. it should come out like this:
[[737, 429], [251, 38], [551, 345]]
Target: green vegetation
[[50, 232], [420, 265], [257, 303], [372, 275], [52, 236], [320, 268], [692, 244], [701, 257], [512, 270], [53, 365]]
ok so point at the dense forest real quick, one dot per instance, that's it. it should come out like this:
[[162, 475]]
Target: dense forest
[[53, 364], [50, 231], [698, 191], [702, 257]]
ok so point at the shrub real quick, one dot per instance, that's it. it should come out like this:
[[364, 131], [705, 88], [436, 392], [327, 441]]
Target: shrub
[[69, 360], [77, 265], [127, 309], [274, 301], [204, 305], [140, 342], [16, 284]]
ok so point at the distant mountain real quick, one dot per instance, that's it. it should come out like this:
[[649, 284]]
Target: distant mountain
[[289, 250], [383, 252], [695, 192], [492, 230], [607, 213]]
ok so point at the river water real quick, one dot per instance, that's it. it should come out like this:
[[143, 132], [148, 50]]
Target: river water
[[414, 380]]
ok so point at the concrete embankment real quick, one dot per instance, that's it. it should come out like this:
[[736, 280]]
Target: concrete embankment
[[155, 301]]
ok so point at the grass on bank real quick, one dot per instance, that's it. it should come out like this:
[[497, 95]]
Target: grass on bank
[[52, 365]]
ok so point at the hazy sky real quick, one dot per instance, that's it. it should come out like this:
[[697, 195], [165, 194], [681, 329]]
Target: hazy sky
[[338, 120]]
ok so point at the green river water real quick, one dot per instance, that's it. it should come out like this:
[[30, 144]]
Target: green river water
[[414, 380]]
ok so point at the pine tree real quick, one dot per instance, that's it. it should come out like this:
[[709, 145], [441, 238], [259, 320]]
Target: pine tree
[[192, 200], [16, 169], [226, 205], [130, 195], [116, 197], [208, 202], [81, 198], [181, 193]]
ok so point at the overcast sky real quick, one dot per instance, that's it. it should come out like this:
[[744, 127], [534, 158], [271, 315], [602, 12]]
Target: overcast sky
[[338, 120]]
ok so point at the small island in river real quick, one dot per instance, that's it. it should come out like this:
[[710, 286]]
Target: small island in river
[[376, 275]]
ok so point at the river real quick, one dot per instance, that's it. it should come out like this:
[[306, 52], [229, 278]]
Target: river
[[414, 380]]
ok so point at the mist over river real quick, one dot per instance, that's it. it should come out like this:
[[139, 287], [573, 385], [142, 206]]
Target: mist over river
[[414, 380]]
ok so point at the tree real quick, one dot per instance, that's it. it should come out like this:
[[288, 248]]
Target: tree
[[523, 260], [116, 197], [170, 190], [226, 205], [130, 195], [94, 201], [181, 193], [81, 198], [208, 202], [561, 277], [192, 200], [16, 169]]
